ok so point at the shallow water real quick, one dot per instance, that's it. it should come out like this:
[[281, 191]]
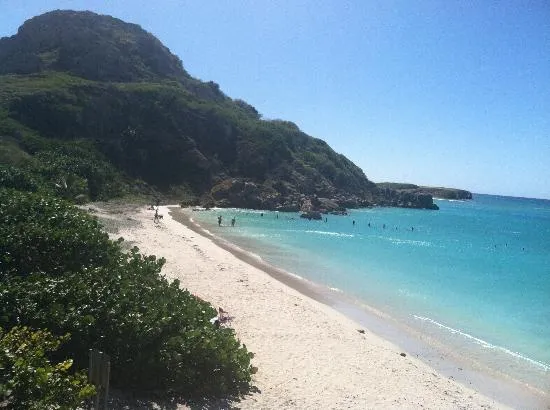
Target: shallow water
[[474, 276]]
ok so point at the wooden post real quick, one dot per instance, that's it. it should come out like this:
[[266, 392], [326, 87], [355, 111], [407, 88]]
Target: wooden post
[[99, 374], [107, 374]]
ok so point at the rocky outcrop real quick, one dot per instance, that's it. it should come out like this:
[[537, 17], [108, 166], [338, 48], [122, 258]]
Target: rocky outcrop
[[311, 215], [448, 193], [435, 192], [243, 193], [407, 198]]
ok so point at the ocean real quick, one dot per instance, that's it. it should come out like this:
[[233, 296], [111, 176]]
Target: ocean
[[473, 276]]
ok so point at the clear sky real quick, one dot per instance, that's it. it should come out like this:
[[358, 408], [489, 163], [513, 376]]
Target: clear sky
[[445, 93]]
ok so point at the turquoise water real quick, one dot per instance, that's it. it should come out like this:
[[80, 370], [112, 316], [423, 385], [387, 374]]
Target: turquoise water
[[477, 272]]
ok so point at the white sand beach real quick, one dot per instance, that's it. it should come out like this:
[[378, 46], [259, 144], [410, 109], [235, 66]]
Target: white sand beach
[[308, 355]]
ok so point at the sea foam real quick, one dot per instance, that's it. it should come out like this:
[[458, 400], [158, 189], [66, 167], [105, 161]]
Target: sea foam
[[485, 344]]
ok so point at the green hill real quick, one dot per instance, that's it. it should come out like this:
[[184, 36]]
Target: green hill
[[80, 79]]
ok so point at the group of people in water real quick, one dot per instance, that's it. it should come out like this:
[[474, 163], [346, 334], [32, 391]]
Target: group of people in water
[[383, 226], [233, 220], [369, 224]]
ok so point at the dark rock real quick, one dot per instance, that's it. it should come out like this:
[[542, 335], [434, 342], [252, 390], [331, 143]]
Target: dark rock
[[288, 207], [312, 215], [241, 193], [406, 198]]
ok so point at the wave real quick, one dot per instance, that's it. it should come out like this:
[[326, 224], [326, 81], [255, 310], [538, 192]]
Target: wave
[[398, 241], [413, 295], [251, 211], [200, 226], [257, 235], [485, 344], [338, 234]]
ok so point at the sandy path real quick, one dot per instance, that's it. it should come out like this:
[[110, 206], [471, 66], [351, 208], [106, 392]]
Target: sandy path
[[308, 355]]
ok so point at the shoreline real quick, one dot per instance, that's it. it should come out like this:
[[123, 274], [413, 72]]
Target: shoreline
[[309, 348], [496, 386]]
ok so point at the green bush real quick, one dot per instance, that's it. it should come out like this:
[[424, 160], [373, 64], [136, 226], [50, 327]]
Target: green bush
[[27, 378], [16, 178], [77, 169], [159, 336], [40, 233], [74, 170]]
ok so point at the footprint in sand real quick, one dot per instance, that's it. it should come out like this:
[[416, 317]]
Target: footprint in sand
[[199, 250]]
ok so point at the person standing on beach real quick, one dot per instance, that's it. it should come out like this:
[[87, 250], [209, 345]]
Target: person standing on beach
[[233, 221], [219, 220]]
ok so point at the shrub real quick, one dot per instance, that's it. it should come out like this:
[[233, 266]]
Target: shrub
[[61, 272], [40, 233], [73, 170], [78, 169], [29, 381], [13, 177], [159, 336]]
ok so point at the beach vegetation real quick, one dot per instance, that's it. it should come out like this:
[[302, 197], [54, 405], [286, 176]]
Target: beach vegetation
[[60, 272], [29, 380], [73, 170]]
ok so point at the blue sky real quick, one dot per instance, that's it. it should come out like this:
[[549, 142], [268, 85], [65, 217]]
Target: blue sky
[[443, 93]]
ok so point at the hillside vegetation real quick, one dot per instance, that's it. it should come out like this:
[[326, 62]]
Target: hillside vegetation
[[73, 76]]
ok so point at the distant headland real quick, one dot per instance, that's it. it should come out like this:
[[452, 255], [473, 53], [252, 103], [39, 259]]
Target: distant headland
[[436, 192]]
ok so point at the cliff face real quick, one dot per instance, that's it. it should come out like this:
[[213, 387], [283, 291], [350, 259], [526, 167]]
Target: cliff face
[[435, 192], [78, 75], [447, 193]]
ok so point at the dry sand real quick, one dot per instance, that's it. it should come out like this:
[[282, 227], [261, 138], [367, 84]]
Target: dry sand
[[308, 355]]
